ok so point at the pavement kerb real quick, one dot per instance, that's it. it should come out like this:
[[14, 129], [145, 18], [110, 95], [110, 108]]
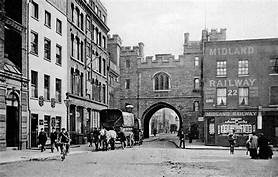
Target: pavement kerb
[[204, 147], [35, 158]]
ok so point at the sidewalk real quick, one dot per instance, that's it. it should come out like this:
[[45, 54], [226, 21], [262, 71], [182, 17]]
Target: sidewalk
[[200, 146], [10, 156]]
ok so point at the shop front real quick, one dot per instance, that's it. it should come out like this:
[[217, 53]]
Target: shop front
[[218, 124]]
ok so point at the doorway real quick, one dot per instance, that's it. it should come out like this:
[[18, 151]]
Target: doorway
[[34, 130], [12, 131]]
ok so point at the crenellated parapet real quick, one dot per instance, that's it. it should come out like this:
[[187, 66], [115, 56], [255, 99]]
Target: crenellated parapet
[[160, 60], [115, 39], [133, 50]]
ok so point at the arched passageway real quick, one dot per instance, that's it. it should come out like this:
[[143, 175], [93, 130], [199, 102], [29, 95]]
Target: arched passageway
[[148, 113]]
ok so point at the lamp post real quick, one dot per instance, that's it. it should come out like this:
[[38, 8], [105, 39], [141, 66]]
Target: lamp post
[[67, 102]]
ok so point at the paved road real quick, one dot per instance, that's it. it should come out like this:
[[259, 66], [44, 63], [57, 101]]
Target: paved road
[[149, 160], [161, 141]]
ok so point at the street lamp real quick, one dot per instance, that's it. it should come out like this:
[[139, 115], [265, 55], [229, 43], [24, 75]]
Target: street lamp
[[67, 102]]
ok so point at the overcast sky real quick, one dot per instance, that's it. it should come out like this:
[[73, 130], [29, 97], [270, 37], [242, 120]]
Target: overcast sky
[[160, 24]]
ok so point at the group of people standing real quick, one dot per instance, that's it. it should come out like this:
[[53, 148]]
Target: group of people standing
[[259, 146], [56, 139]]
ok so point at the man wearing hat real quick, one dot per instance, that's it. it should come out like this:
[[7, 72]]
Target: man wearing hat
[[64, 139]]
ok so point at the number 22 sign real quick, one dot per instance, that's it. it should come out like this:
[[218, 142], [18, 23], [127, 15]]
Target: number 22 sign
[[232, 92]]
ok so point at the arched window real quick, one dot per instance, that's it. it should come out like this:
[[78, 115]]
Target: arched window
[[196, 83], [196, 106], [161, 81]]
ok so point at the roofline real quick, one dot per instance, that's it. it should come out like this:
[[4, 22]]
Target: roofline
[[244, 40]]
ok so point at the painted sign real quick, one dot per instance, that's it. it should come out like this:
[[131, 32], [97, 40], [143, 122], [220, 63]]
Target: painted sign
[[231, 113], [232, 83], [238, 124], [247, 50]]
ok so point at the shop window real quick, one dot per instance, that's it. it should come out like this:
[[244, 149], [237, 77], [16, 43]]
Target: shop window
[[221, 94], [47, 125], [274, 95], [35, 10], [243, 94], [58, 123], [34, 42], [46, 87], [47, 21], [274, 65], [243, 67], [127, 84], [161, 81], [34, 84], [221, 68]]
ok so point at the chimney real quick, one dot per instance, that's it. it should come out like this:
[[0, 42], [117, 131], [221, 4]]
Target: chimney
[[141, 49], [186, 38]]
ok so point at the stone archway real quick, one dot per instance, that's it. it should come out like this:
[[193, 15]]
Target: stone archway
[[146, 117]]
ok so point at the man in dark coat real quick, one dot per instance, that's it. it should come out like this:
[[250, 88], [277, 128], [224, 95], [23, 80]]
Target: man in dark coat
[[42, 139], [264, 152], [96, 137], [181, 136], [53, 140]]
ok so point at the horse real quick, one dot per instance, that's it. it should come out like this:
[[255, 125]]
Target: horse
[[129, 138], [103, 139], [111, 136]]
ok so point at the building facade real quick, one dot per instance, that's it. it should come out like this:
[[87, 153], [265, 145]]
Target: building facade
[[240, 89], [163, 81], [87, 66], [47, 66], [114, 48], [14, 112]]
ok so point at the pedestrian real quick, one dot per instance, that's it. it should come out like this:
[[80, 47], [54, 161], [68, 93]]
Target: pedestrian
[[53, 140], [64, 139], [247, 144], [103, 138], [96, 138], [190, 136], [263, 145], [42, 139], [154, 132], [181, 136], [253, 146], [232, 141], [122, 138]]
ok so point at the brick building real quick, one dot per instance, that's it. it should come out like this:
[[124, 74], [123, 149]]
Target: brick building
[[13, 75], [47, 66], [163, 81], [87, 65], [240, 89]]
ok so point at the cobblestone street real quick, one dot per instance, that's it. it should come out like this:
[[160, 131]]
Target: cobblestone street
[[158, 157]]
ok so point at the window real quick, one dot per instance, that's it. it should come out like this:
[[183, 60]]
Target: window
[[58, 123], [196, 106], [196, 84], [81, 51], [88, 50], [196, 61], [104, 66], [103, 42], [104, 93], [72, 12], [34, 84], [243, 96], [34, 42], [47, 87], [58, 55], [161, 81], [47, 21], [104, 18], [127, 84], [47, 49], [274, 65], [221, 94], [76, 17], [127, 63], [77, 50], [35, 10], [58, 94], [88, 23], [243, 67], [274, 95], [81, 22], [221, 69], [99, 64], [59, 26]]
